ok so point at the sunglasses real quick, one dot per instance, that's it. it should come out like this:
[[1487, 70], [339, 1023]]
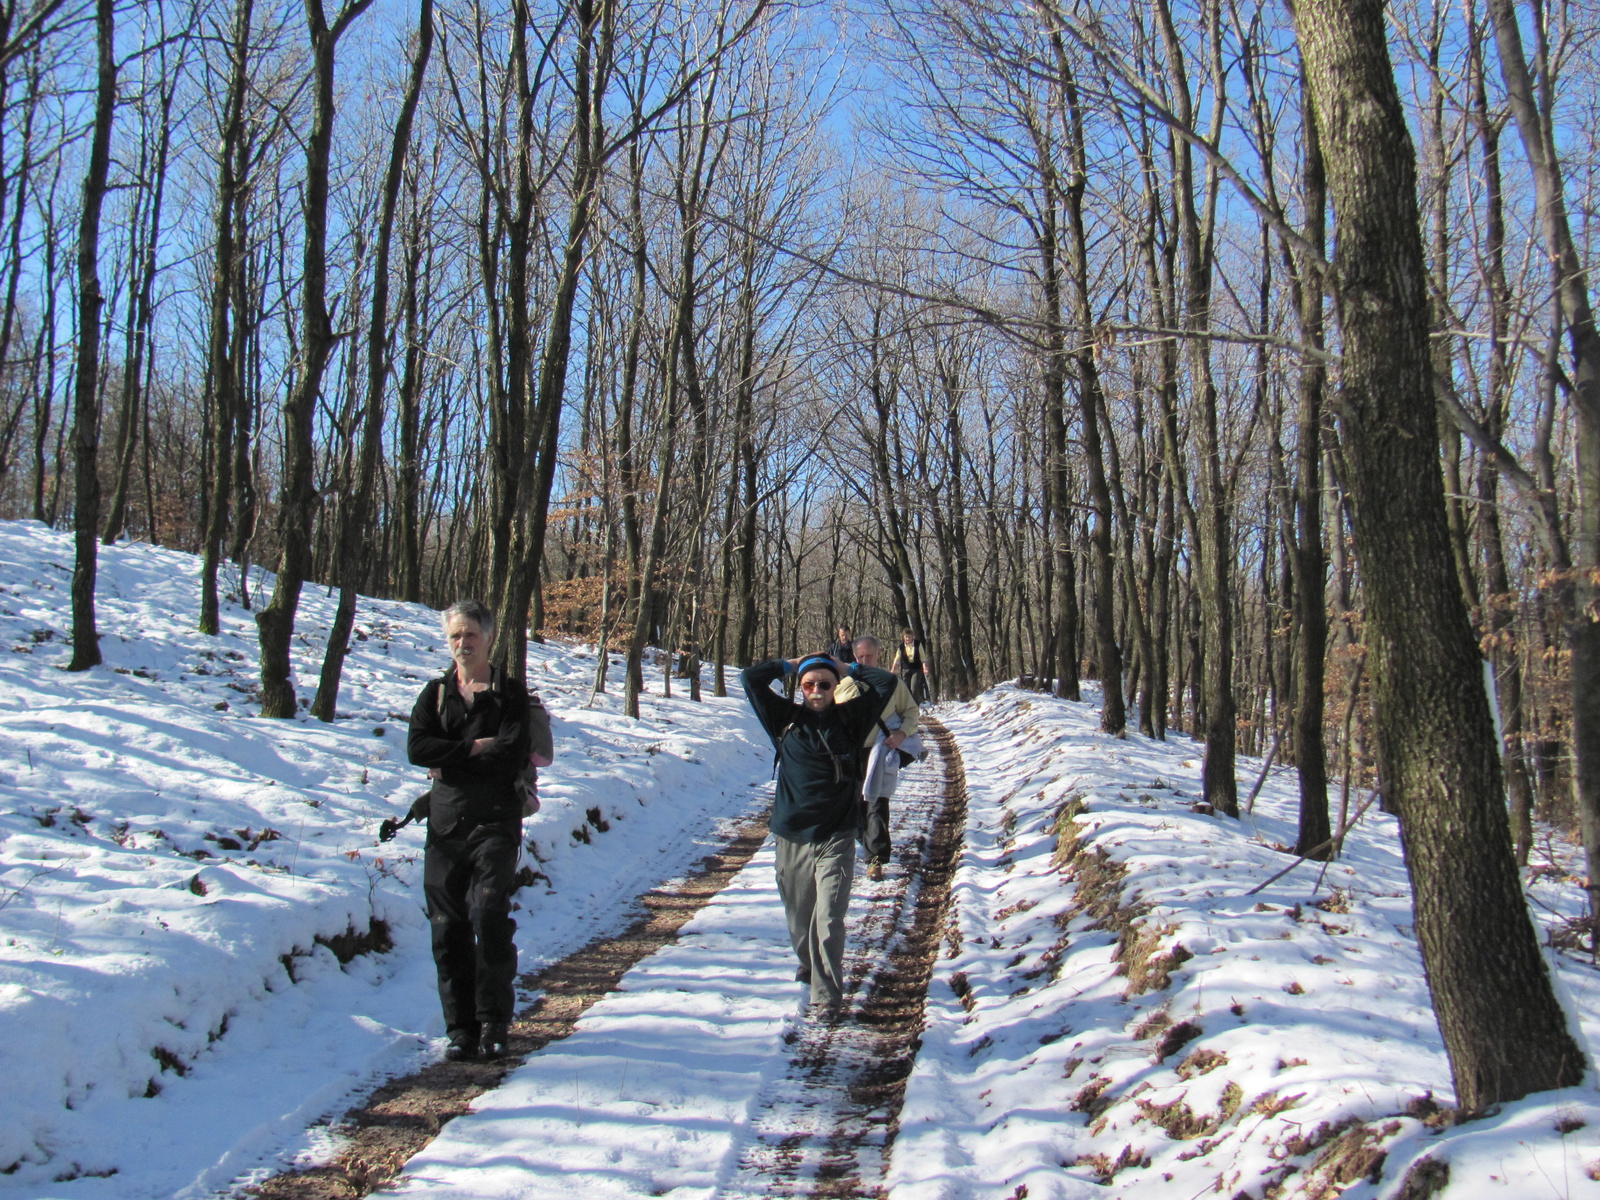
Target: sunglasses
[[817, 685]]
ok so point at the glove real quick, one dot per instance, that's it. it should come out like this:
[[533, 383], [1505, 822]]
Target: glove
[[419, 812]]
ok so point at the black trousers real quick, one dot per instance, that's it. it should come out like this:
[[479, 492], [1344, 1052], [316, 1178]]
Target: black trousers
[[875, 828], [917, 684], [468, 876]]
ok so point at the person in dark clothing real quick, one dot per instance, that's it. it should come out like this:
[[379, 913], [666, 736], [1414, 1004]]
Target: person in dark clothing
[[469, 728], [818, 744], [842, 647], [896, 723], [911, 664]]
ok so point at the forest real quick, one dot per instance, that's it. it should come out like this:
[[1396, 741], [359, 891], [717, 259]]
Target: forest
[[1237, 357]]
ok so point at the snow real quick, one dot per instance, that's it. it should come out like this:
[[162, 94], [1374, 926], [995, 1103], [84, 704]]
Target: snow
[[1307, 1016], [169, 862], [654, 1091], [167, 859], [698, 1077]]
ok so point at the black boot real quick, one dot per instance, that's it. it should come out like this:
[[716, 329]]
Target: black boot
[[495, 1040], [463, 1046]]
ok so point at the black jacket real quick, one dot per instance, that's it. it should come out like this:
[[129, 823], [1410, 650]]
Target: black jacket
[[819, 754], [471, 790]]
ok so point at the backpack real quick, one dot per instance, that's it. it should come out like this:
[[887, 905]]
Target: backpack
[[850, 763], [541, 745]]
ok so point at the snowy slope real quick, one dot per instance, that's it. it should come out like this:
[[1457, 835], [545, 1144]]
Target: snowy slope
[[1114, 1014], [176, 874], [1293, 1053]]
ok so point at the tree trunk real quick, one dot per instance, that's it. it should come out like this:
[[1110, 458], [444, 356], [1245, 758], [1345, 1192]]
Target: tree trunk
[[644, 609], [1309, 560], [221, 369], [408, 484], [86, 389], [1214, 543], [299, 501], [44, 380], [510, 432], [629, 474], [245, 358], [143, 313], [1503, 1030], [1499, 602], [1064, 619], [1113, 712], [20, 214], [590, 73], [355, 541]]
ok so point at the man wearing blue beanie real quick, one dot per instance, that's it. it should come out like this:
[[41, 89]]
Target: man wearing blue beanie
[[819, 752]]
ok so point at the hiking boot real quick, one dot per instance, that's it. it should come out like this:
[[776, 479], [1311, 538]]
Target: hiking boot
[[823, 1013], [463, 1046], [802, 974], [874, 870], [495, 1039]]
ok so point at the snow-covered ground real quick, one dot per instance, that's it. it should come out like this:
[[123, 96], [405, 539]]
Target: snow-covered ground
[[1294, 1048], [175, 874], [701, 1076], [173, 869]]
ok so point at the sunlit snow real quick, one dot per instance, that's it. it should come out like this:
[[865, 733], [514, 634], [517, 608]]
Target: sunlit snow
[[173, 1026]]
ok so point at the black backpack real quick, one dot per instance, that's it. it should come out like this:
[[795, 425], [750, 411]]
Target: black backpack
[[541, 745]]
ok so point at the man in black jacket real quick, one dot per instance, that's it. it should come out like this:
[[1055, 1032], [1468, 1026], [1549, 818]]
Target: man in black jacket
[[469, 728], [843, 645], [814, 814]]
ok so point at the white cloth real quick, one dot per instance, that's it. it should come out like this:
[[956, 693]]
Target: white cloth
[[883, 765]]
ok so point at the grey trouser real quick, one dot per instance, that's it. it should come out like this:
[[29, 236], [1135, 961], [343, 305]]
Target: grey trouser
[[814, 881]]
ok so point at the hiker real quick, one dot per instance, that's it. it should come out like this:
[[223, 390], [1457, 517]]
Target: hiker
[[470, 729], [842, 642], [911, 664], [896, 722], [818, 746]]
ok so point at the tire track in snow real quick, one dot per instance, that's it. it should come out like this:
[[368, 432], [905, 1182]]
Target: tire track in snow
[[826, 1128]]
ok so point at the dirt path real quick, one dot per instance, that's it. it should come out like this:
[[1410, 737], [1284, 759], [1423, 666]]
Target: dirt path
[[405, 1114], [826, 1128]]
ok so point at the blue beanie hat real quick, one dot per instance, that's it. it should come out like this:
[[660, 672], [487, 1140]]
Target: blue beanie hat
[[817, 662]]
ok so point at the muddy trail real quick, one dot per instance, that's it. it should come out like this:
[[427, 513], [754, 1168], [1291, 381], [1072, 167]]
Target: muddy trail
[[826, 1125]]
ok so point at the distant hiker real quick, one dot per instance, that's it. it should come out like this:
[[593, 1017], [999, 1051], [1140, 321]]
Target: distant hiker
[[470, 729], [911, 664], [842, 642], [818, 746], [896, 722]]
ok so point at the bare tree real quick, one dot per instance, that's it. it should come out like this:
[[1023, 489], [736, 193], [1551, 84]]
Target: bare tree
[[355, 542], [86, 376], [298, 499], [1577, 314], [1503, 1030], [221, 376]]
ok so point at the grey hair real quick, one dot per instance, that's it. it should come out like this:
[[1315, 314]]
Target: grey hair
[[475, 611], [867, 637]]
